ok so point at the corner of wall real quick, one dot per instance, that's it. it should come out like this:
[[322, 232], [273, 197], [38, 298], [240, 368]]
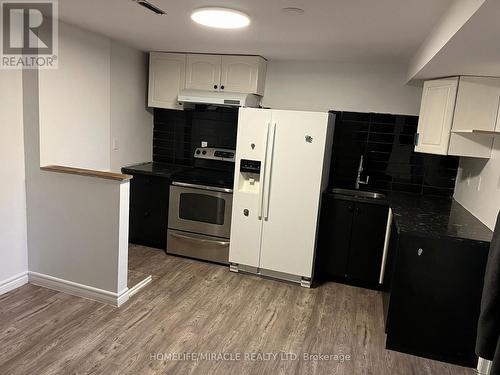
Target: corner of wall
[[477, 186], [13, 226]]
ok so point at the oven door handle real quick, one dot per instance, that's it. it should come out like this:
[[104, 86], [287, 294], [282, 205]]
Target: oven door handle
[[189, 238], [202, 187]]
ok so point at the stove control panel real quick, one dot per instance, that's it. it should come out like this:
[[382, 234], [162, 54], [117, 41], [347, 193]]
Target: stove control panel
[[211, 153]]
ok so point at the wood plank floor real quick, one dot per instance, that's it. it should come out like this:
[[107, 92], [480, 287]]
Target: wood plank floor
[[135, 278], [195, 307]]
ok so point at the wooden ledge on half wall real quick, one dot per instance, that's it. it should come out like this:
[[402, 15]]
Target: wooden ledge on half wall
[[87, 172]]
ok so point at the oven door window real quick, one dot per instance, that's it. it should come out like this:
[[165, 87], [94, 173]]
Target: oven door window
[[202, 207]]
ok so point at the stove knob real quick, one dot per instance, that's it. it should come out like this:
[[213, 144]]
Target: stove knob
[[204, 152], [197, 152]]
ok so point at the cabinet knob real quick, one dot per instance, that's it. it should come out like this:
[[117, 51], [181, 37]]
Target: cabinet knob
[[215, 86], [252, 145], [420, 251], [246, 212], [222, 87]]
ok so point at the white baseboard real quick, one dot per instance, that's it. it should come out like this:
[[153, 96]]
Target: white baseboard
[[13, 282], [133, 290], [79, 290]]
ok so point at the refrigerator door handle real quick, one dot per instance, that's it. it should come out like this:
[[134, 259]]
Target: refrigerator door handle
[[268, 180], [263, 169]]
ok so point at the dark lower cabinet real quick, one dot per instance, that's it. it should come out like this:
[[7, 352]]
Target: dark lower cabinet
[[367, 242], [334, 238], [435, 297], [149, 210], [351, 240]]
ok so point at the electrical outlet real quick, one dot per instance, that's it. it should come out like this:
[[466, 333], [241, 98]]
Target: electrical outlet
[[115, 144], [204, 144]]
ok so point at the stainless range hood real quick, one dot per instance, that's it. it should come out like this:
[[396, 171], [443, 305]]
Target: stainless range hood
[[228, 99]]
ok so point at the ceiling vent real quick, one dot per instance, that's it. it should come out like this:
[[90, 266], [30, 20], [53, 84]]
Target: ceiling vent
[[149, 6]]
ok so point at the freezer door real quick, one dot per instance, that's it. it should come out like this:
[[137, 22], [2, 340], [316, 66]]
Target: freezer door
[[246, 227], [292, 193]]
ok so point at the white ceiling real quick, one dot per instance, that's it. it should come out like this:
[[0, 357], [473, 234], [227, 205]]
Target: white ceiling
[[473, 50], [360, 31]]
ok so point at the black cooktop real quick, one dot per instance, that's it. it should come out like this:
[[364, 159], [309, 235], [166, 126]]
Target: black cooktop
[[206, 177], [212, 167]]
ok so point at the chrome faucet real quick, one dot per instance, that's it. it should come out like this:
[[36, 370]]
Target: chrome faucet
[[358, 178]]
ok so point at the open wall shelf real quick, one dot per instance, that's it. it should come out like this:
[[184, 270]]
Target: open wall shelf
[[477, 131]]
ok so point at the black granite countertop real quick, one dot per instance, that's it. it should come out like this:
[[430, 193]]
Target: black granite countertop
[[436, 217], [153, 169]]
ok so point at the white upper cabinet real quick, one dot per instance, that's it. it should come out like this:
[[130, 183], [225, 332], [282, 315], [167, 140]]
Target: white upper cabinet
[[243, 74], [167, 72], [478, 99], [436, 116], [203, 72], [459, 116]]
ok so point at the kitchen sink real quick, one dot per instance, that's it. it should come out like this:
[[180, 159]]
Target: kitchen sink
[[358, 193]]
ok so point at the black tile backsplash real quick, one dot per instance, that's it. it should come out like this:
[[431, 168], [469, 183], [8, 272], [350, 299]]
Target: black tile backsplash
[[177, 133], [386, 143]]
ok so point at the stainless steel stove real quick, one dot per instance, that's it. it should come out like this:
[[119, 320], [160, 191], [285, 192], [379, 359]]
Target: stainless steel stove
[[199, 218]]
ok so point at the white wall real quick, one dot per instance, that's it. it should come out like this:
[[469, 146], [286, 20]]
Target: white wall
[[13, 249], [452, 21], [131, 121], [323, 86], [81, 241], [75, 102], [485, 203], [77, 226], [97, 95]]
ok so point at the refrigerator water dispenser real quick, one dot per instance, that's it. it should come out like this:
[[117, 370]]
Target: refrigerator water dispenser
[[250, 176]]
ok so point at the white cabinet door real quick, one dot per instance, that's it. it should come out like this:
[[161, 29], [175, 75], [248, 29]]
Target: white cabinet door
[[167, 72], [203, 72], [436, 116], [246, 229], [243, 74], [477, 103], [295, 158], [476, 108]]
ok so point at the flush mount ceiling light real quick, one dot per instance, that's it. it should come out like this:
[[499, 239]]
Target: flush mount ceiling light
[[221, 18]]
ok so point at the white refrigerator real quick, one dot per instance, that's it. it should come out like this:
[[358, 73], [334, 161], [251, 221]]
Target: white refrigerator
[[282, 167]]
